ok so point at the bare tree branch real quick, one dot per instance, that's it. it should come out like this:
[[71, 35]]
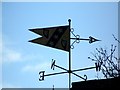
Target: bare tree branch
[[115, 38], [108, 62]]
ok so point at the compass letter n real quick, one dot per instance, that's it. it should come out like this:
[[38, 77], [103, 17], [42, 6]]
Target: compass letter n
[[53, 64]]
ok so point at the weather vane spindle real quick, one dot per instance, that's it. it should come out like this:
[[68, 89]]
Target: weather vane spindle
[[59, 37]]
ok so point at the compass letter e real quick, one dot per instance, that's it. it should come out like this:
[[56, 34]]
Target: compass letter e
[[41, 75]]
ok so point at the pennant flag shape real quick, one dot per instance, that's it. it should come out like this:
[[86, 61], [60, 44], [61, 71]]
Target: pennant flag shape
[[55, 37]]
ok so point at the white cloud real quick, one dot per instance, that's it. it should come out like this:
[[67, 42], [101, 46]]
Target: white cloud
[[36, 68], [11, 55]]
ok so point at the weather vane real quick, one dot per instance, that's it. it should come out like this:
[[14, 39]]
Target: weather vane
[[59, 37]]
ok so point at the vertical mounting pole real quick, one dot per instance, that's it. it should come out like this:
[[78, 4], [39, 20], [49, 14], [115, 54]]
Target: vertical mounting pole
[[69, 54]]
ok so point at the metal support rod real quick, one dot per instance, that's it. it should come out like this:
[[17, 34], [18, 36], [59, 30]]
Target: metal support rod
[[83, 69], [67, 72], [75, 71], [61, 68], [79, 76], [69, 55], [55, 73], [80, 39]]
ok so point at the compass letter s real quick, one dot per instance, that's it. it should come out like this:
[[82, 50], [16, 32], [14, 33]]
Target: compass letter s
[[41, 75]]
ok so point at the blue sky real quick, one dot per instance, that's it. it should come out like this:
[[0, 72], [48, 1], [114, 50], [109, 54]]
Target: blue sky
[[23, 60]]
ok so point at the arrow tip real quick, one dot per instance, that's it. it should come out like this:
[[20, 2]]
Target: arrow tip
[[91, 40]]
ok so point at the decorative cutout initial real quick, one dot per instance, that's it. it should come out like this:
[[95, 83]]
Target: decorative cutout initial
[[46, 33], [64, 44]]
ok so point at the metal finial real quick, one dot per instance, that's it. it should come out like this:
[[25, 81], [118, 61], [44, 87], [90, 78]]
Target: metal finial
[[69, 20]]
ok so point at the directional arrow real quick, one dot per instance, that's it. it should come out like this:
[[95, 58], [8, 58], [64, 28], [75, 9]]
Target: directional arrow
[[91, 40]]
